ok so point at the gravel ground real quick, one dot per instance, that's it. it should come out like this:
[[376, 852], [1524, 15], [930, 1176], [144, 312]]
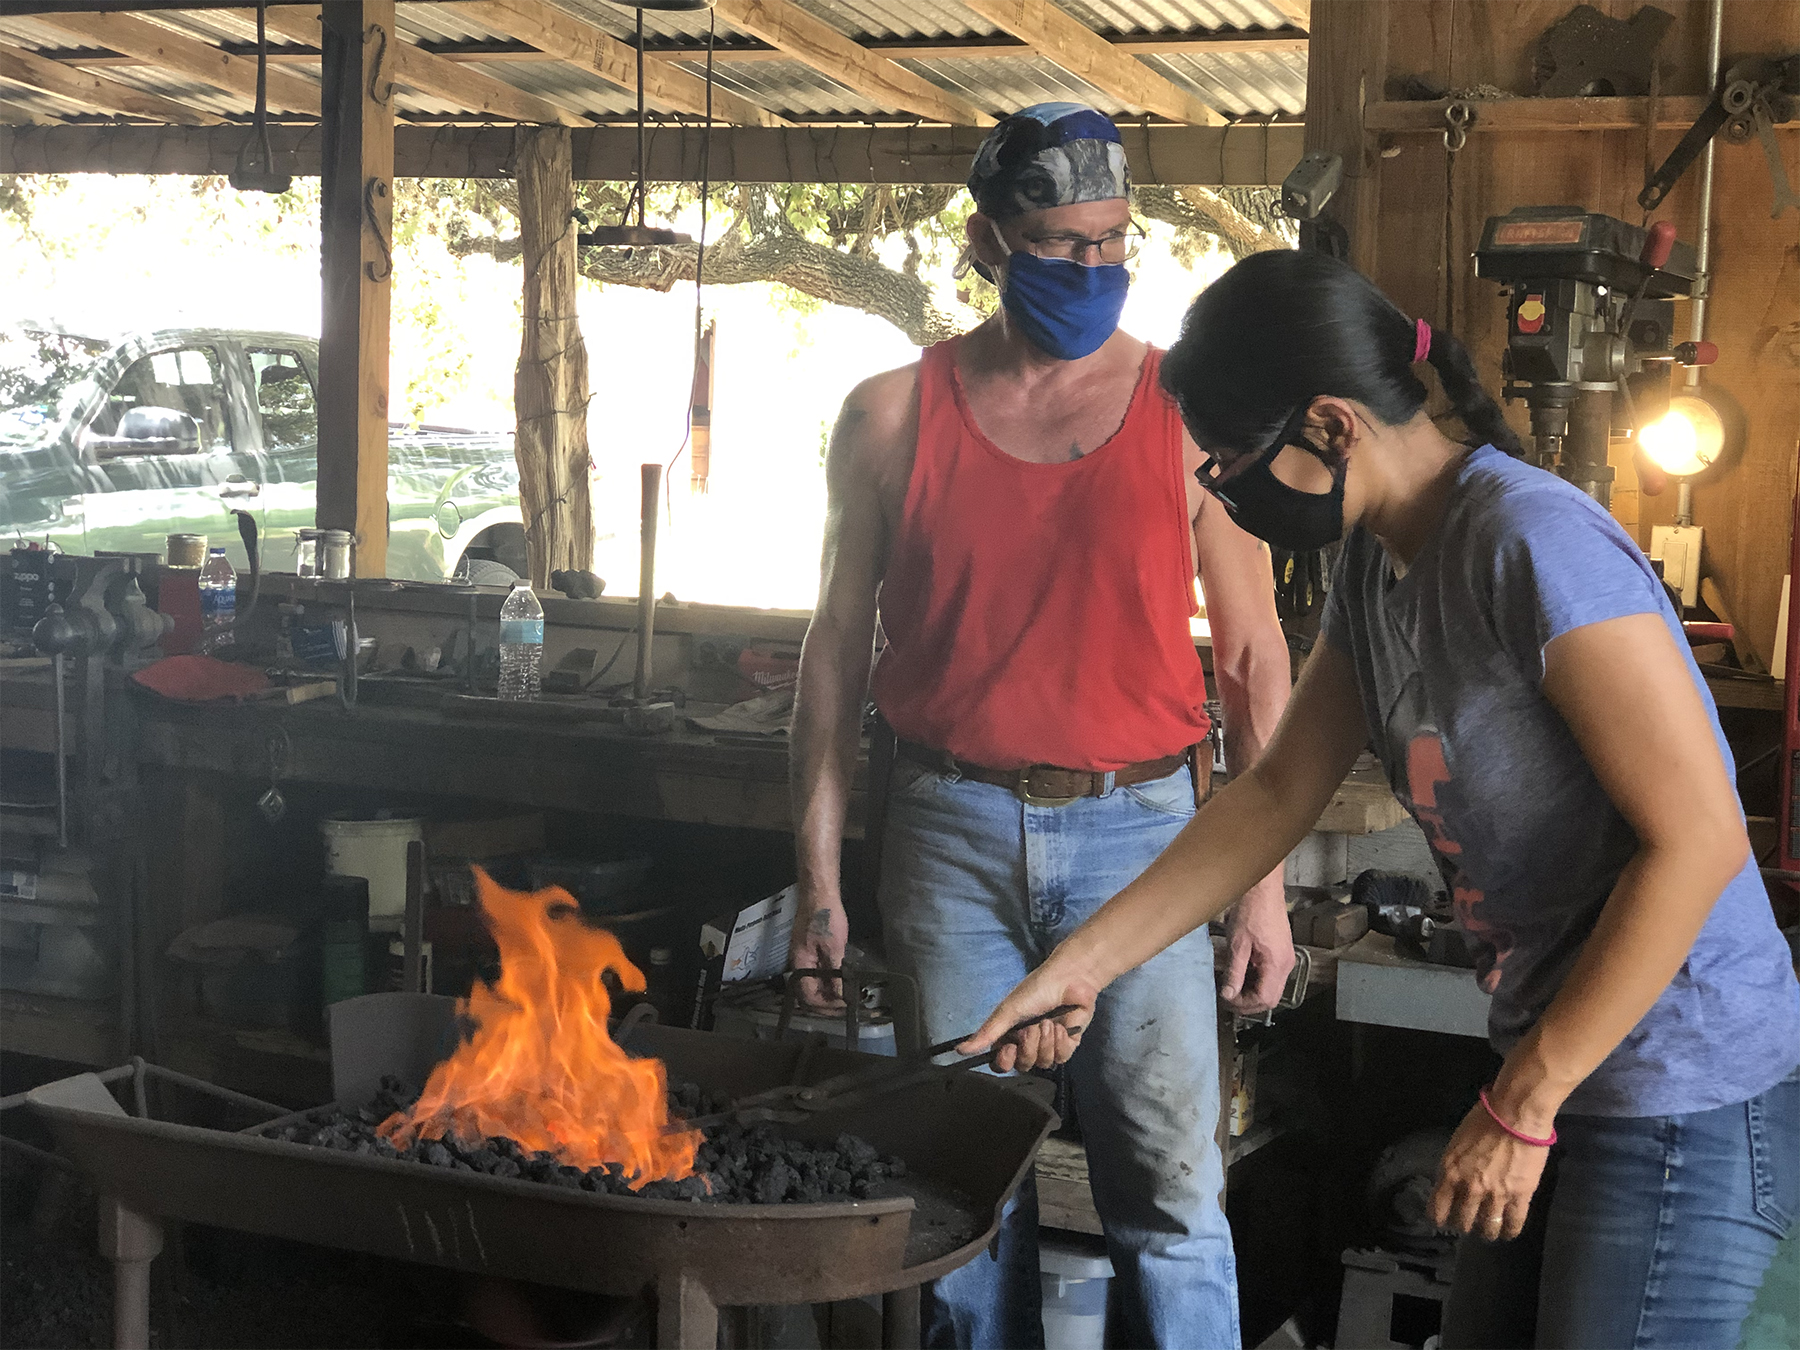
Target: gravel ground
[[239, 1291]]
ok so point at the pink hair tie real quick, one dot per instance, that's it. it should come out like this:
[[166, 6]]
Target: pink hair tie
[[1421, 343], [1495, 1115]]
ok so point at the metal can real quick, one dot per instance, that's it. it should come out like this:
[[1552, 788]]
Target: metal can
[[306, 553], [336, 548], [186, 550]]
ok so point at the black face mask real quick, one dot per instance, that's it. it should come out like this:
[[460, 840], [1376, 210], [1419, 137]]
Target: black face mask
[[1284, 516]]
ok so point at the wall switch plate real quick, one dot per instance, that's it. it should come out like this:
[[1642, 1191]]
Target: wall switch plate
[[1677, 547]]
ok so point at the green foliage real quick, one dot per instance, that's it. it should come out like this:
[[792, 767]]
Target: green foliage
[[38, 364]]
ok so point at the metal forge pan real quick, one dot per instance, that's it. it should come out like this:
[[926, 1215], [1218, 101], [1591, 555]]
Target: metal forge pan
[[966, 1138]]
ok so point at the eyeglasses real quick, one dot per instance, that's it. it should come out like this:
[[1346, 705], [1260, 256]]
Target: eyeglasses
[[1215, 477], [1117, 247]]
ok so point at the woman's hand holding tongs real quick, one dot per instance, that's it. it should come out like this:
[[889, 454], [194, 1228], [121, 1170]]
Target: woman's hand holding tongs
[[1057, 984]]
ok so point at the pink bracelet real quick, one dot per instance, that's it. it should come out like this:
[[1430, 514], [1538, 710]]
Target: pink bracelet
[[1522, 1138]]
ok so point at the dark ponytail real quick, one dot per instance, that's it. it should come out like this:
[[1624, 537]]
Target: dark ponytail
[[1472, 403], [1282, 328]]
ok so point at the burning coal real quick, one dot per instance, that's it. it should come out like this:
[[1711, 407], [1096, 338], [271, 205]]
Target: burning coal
[[540, 1068]]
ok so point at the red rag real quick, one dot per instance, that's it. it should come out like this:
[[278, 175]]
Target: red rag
[[201, 679]]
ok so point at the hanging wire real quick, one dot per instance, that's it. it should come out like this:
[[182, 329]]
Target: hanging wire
[[687, 438], [643, 166]]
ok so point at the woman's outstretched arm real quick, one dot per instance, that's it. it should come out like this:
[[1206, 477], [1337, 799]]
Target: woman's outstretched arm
[[1237, 838]]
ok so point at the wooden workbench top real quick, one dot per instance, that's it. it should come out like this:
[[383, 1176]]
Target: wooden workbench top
[[400, 739]]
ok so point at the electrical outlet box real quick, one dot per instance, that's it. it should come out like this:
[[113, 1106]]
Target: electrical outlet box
[[1677, 548]]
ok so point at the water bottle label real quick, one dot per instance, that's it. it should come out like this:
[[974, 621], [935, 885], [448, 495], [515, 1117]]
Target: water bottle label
[[525, 632], [218, 602]]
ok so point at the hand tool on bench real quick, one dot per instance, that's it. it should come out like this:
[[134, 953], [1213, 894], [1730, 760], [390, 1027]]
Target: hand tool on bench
[[792, 1102]]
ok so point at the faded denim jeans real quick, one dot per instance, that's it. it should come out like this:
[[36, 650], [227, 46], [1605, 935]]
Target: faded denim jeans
[[1653, 1234], [976, 888]]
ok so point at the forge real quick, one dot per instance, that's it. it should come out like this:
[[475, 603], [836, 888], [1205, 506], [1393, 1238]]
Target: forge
[[964, 1141]]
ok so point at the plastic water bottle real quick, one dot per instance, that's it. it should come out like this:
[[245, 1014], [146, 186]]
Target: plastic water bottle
[[521, 643], [218, 602]]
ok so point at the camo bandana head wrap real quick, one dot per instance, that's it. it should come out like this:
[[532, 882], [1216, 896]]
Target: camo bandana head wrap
[[1050, 154]]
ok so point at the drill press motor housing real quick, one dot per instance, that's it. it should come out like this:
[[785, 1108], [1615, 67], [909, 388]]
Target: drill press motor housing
[[1591, 314]]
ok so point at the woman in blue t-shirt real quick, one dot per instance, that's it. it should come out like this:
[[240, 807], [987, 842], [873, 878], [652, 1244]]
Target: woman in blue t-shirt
[[1517, 666]]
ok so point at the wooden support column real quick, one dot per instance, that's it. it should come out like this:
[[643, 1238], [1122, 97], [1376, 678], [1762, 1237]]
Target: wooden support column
[[550, 387], [357, 264], [1344, 76]]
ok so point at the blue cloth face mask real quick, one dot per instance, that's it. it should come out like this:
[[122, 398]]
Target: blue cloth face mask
[[1064, 307]]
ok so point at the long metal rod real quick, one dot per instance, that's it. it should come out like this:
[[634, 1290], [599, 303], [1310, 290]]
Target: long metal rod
[[646, 626], [1715, 29]]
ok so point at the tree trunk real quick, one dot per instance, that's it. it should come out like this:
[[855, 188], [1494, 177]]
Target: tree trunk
[[550, 386]]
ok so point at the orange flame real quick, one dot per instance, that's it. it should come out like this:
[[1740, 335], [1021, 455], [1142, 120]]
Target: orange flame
[[540, 1068]]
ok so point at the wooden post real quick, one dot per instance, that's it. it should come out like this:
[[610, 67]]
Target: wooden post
[[1338, 87], [550, 387], [357, 263], [700, 413]]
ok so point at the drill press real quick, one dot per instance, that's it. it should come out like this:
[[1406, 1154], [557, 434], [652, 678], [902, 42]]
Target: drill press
[[1590, 315]]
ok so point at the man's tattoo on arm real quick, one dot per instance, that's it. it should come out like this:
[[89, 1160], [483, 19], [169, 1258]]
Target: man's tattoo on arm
[[820, 926]]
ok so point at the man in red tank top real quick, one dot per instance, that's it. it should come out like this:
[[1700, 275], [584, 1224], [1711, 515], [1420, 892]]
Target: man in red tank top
[[1020, 509]]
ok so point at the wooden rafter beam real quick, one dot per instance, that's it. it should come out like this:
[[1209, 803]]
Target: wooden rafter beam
[[991, 46], [1053, 34], [158, 46], [784, 25], [1170, 155], [598, 52], [88, 91], [429, 74]]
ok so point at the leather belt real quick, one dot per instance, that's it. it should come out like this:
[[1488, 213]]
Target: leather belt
[[1048, 785]]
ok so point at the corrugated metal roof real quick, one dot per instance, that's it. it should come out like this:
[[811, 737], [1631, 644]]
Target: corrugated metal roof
[[1237, 83], [1003, 84], [1174, 16]]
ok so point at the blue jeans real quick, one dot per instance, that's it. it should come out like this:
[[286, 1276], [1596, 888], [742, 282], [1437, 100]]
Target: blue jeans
[[1653, 1235], [976, 888]]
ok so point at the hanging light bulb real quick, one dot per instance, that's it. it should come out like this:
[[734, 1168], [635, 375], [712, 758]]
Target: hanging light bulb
[[1686, 440]]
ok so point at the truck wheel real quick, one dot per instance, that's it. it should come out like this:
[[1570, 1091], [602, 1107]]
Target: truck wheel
[[486, 572]]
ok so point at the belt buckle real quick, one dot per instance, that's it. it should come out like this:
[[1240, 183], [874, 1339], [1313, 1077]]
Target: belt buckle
[[1026, 796]]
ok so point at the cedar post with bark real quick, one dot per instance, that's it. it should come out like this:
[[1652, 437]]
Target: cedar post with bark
[[550, 386]]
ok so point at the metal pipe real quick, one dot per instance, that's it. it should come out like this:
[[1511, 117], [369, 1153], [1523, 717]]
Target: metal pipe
[[646, 625], [413, 936], [62, 755], [1715, 29], [211, 1089]]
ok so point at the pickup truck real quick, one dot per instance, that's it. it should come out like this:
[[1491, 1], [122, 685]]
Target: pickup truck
[[114, 445]]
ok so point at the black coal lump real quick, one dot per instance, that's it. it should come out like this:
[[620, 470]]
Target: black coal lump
[[773, 1182], [436, 1154]]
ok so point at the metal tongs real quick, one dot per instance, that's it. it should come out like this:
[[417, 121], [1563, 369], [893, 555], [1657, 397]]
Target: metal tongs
[[792, 1102]]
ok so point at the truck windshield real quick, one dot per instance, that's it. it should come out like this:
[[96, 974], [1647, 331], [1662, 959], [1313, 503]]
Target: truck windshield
[[39, 372]]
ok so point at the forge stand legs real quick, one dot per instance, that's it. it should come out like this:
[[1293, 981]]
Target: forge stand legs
[[686, 1316], [900, 1319], [131, 1241], [688, 1319]]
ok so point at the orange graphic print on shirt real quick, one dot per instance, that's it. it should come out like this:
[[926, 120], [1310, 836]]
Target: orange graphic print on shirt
[[1427, 780]]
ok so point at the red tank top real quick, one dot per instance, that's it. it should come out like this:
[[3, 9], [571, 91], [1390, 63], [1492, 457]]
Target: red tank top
[[1038, 613]]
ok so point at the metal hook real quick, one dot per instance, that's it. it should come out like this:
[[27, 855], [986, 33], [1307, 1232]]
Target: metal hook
[[378, 94], [372, 189], [1459, 116]]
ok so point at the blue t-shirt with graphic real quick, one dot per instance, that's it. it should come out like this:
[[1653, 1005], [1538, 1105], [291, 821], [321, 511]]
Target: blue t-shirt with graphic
[[1449, 663]]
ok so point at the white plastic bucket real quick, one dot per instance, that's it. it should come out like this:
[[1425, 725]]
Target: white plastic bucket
[[1075, 1282], [376, 850]]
